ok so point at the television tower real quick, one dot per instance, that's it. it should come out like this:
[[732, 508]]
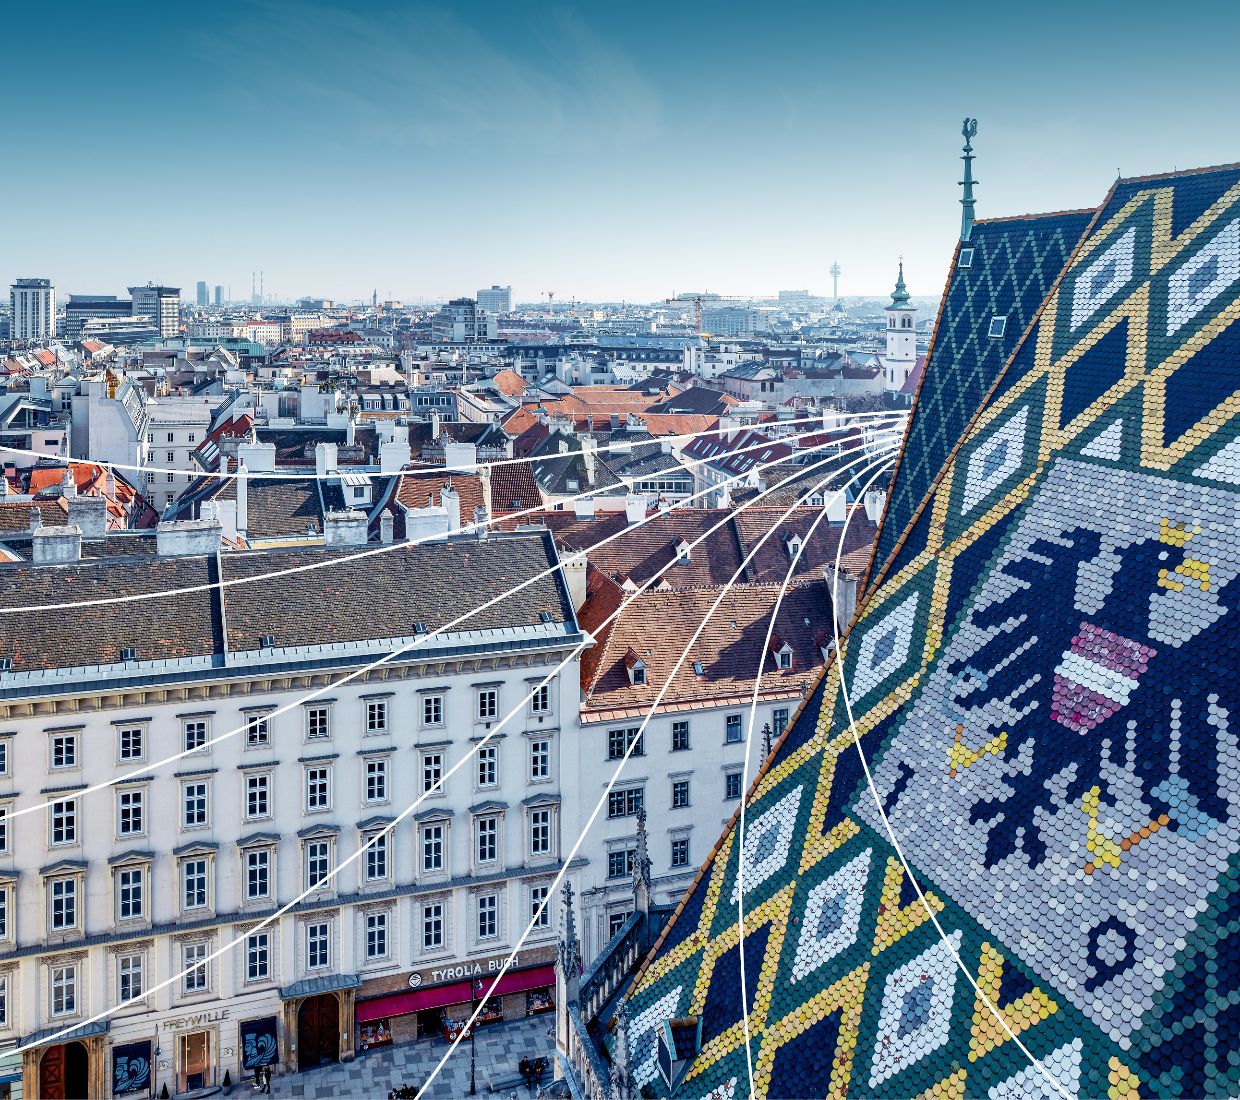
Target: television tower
[[835, 280]]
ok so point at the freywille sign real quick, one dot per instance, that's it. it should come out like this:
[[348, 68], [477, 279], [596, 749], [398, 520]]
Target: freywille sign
[[198, 1020], [474, 968]]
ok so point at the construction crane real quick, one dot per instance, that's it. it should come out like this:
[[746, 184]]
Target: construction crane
[[696, 301]]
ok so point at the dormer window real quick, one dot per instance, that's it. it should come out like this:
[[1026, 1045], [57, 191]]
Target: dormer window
[[419, 627], [966, 258], [794, 545], [267, 641], [129, 654], [636, 667], [782, 652], [682, 552]]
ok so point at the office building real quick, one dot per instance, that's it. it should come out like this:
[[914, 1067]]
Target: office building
[[81, 308], [219, 295], [161, 303], [32, 306], [203, 300], [495, 301], [462, 321]]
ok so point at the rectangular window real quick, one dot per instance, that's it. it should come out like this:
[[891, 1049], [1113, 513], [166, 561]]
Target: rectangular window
[[376, 935], [680, 736], [488, 704], [487, 911], [377, 858], [194, 803], [432, 848], [432, 710], [538, 895], [376, 716], [257, 796], [680, 794], [432, 927], [194, 883], [63, 990], [64, 750], [64, 904], [377, 780], [4, 1002], [316, 723], [779, 720], [732, 786], [130, 743], [733, 733], [966, 258], [193, 962], [616, 921], [618, 742], [318, 946], [257, 874], [4, 756], [4, 914], [257, 731], [680, 852], [64, 822], [540, 701], [257, 957], [432, 772], [130, 820], [129, 976], [318, 854], [620, 863], [997, 325], [130, 893], [6, 808], [318, 788], [488, 766], [194, 733], [486, 835], [625, 803], [540, 832], [540, 760]]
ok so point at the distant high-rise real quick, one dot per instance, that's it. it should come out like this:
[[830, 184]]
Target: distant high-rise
[[162, 304], [219, 295], [81, 308], [495, 301], [835, 281], [32, 303], [203, 300]]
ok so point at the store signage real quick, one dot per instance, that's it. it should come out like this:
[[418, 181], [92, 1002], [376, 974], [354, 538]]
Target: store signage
[[258, 1042], [474, 968], [131, 1067], [197, 1020]]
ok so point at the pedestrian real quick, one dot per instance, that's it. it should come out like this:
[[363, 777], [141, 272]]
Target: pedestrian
[[266, 1072], [525, 1068]]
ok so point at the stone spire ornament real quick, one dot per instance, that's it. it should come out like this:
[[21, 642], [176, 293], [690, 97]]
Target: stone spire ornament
[[642, 885], [969, 131], [623, 1087]]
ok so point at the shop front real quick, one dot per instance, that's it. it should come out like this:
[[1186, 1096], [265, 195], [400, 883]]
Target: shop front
[[438, 1001]]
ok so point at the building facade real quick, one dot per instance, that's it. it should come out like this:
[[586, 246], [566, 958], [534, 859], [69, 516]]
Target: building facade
[[161, 303], [496, 300], [106, 895], [81, 308]]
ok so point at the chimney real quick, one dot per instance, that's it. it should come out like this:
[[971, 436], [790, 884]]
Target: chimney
[[243, 500], [345, 528], [480, 522], [583, 507], [435, 424], [842, 587], [837, 506], [575, 579], [634, 508], [257, 456], [36, 520], [350, 433], [426, 524], [56, 545], [90, 514], [224, 464], [460, 456], [588, 447], [325, 459], [450, 501], [875, 501], [184, 537], [386, 528], [392, 456]]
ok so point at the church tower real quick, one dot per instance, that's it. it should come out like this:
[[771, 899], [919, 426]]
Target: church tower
[[901, 335]]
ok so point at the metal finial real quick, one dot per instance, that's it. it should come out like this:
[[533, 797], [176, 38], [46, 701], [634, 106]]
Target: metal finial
[[969, 131]]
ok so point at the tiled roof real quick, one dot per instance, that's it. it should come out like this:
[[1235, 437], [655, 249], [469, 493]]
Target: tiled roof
[[277, 507], [513, 489], [1044, 686], [422, 490], [1013, 263], [377, 597], [509, 383], [656, 628]]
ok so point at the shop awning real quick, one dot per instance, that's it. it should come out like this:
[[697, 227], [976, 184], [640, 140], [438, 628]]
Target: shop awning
[[452, 993]]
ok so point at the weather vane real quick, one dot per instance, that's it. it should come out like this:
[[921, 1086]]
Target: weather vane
[[969, 130]]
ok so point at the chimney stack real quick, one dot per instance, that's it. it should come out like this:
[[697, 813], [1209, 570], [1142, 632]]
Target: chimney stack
[[346, 528], [386, 528], [243, 500], [185, 537], [90, 514], [56, 545], [450, 500], [36, 520], [634, 508]]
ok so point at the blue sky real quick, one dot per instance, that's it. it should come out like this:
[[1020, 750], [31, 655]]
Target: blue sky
[[605, 151]]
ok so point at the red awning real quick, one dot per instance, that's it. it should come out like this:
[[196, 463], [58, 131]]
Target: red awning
[[518, 981], [453, 993]]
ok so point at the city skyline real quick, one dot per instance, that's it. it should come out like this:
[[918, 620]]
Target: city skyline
[[423, 154]]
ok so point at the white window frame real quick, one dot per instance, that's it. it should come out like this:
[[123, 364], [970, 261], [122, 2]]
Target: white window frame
[[196, 976], [261, 783], [201, 803], [318, 945]]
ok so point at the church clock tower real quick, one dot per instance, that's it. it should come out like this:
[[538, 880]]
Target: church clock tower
[[901, 335]]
